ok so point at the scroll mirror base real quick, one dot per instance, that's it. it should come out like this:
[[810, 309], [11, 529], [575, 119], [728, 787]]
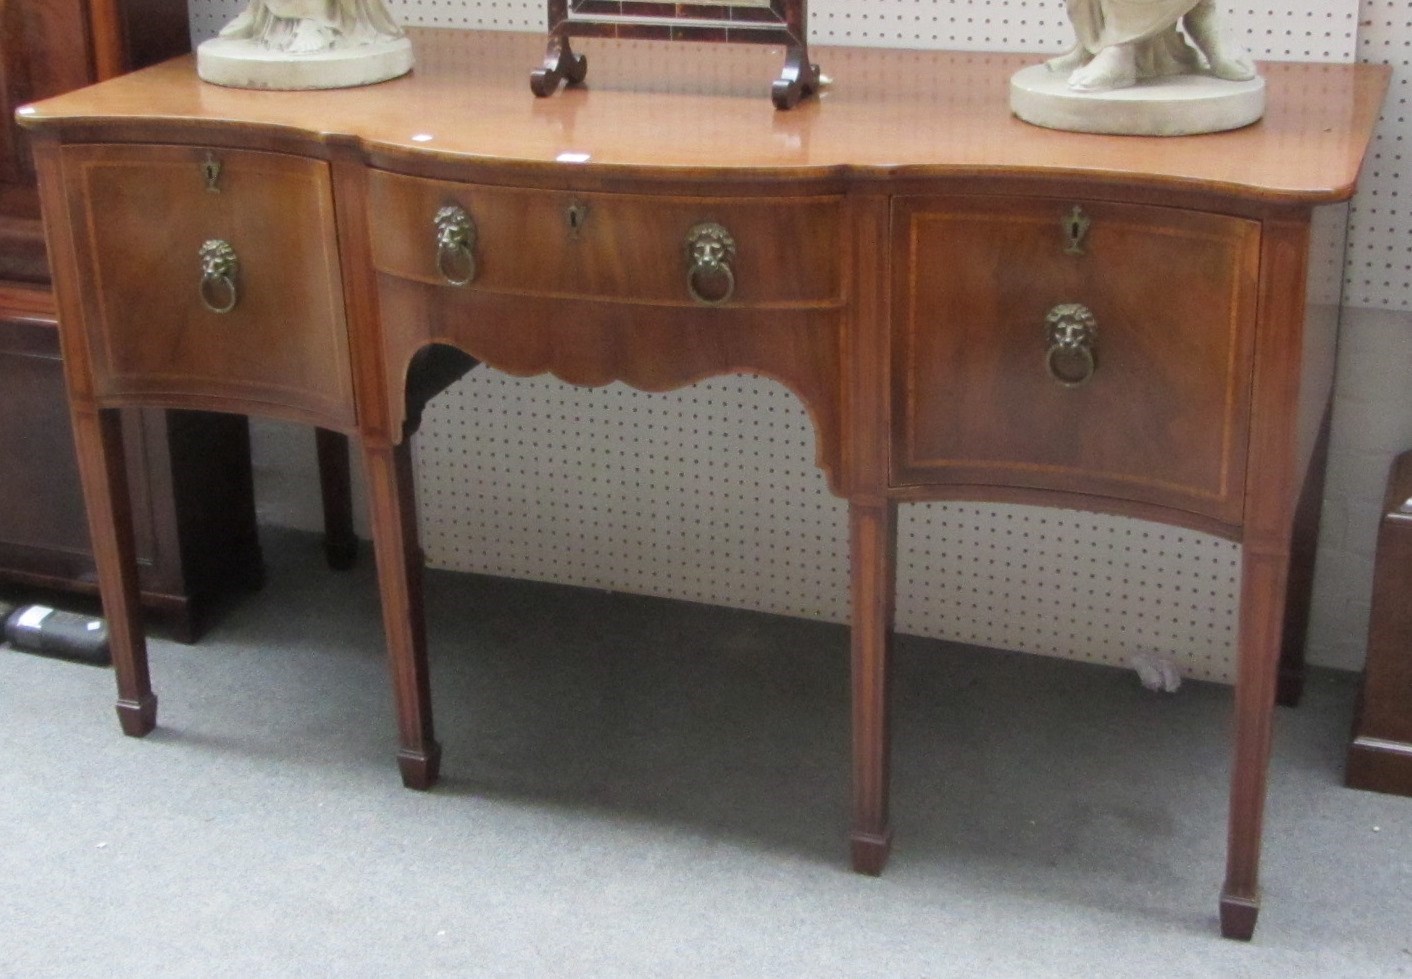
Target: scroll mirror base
[[775, 22]]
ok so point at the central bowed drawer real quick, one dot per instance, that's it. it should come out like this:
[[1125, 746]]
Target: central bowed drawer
[[1087, 347], [216, 279], [776, 251]]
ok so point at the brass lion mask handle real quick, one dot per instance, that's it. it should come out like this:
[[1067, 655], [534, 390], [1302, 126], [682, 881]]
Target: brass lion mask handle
[[1072, 334], [455, 245], [219, 266], [710, 249]]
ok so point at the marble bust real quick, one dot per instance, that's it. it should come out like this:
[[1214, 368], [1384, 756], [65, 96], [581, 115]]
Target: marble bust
[[304, 44], [1143, 68]]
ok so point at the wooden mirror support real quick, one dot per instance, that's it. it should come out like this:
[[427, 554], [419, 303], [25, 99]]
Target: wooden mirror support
[[780, 22]]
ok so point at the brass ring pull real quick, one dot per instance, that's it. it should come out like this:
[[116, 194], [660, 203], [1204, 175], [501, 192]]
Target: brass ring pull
[[455, 245], [710, 249], [1072, 333], [219, 266]]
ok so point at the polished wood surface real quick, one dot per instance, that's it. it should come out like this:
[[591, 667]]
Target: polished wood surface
[[623, 246], [598, 343], [1380, 756], [283, 346], [898, 243], [1162, 417], [391, 491], [872, 524], [888, 115]]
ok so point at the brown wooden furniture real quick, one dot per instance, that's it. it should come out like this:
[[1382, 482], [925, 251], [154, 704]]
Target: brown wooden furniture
[[1380, 755], [903, 256], [190, 473]]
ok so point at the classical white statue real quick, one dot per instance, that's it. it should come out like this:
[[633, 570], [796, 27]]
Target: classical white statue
[[1142, 68], [296, 44], [304, 26], [1123, 41]]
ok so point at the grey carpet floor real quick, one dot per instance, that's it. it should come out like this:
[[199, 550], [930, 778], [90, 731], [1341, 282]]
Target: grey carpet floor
[[642, 787]]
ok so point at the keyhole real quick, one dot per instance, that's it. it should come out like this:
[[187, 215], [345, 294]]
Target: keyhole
[[577, 214], [1075, 227], [211, 170]]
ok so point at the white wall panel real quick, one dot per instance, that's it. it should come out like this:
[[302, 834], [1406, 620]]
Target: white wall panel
[[711, 494], [1303, 30], [1380, 261]]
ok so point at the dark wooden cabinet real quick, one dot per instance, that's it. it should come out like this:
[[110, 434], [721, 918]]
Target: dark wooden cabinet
[[189, 472], [1380, 755]]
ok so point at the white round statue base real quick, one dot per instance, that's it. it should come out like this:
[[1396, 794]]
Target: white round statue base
[[1178, 105], [249, 64]]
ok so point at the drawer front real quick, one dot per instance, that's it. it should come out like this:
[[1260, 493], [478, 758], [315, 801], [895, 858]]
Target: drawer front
[[1081, 346], [632, 248], [143, 216]]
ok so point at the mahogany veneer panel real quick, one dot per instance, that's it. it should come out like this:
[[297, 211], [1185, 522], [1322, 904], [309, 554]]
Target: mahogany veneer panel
[[1163, 418], [595, 342], [627, 246], [143, 215]]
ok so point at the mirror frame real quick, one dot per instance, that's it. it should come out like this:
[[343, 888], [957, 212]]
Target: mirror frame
[[782, 22]]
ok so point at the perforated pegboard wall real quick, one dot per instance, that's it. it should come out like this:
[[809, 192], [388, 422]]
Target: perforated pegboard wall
[[1379, 261], [710, 493], [1319, 30]]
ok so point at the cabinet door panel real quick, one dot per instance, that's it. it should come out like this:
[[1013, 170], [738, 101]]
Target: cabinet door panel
[[42, 523], [142, 215], [1162, 418]]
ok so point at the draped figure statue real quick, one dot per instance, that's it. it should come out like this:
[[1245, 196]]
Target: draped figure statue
[[1123, 41], [307, 26]]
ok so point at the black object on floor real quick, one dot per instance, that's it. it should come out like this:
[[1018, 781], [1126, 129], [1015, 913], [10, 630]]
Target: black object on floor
[[54, 632]]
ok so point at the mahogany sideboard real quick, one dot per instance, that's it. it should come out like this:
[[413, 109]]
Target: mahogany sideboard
[[968, 307]]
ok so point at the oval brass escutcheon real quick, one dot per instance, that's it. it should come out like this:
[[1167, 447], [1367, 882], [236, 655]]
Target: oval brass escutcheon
[[576, 214], [211, 173], [1075, 229]]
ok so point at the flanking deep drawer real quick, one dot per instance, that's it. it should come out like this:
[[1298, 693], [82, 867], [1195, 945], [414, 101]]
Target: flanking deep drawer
[[682, 251], [216, 279], [1081, 346]]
